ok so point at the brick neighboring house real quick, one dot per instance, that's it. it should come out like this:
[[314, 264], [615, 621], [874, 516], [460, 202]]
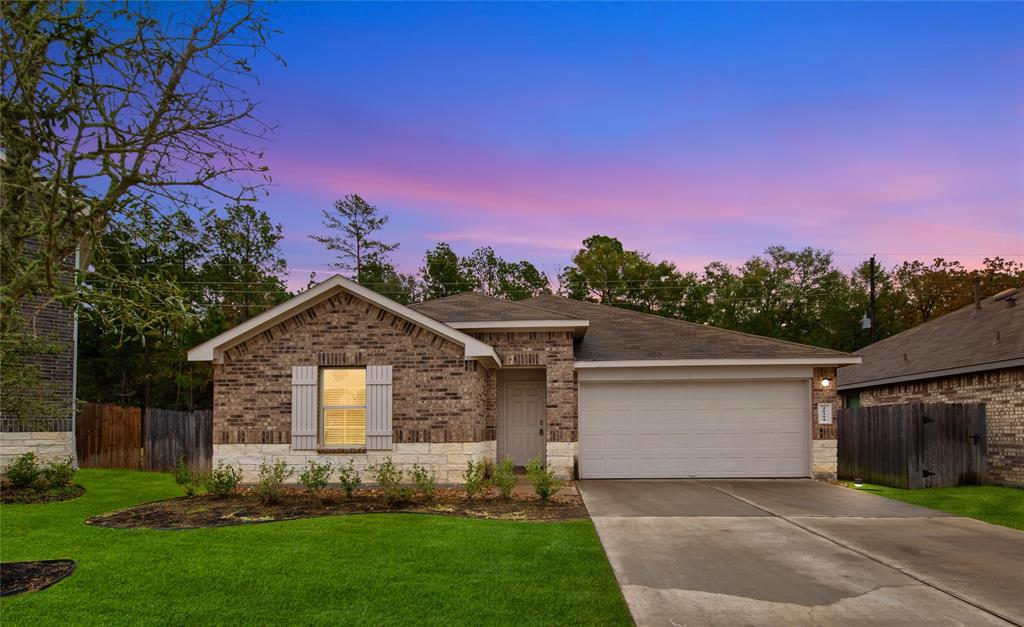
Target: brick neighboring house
[[53, 436], [341, 372], [972, 355]]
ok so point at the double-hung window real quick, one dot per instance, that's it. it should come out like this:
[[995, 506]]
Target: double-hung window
[[343, 407]]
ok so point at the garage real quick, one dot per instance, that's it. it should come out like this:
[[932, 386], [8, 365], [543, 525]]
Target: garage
[[681, 429]]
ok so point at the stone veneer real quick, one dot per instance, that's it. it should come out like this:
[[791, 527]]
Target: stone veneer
[[561, 457], [824, 446], [1002, 391], [46, 445], [448, 459]]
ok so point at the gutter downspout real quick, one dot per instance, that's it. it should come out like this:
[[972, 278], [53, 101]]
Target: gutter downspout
[[74, 370]]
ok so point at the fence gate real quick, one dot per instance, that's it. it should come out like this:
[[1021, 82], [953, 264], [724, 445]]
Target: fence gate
[[172, 434], [914, 446], [108, 436]]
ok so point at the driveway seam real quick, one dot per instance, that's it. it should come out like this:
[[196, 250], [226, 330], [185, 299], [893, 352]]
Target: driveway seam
[[866, 554]]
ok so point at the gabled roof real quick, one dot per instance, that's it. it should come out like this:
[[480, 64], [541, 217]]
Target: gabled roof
[[966, 340], [622, 335], [213, 349]]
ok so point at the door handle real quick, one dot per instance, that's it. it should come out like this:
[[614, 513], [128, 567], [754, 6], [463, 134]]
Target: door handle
[[541, 432]]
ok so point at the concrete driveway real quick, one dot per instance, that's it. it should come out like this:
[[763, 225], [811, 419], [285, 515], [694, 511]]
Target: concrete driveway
[[800, 552]]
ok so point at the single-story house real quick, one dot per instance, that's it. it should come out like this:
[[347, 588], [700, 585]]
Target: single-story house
[[342, 372], [972, 355]]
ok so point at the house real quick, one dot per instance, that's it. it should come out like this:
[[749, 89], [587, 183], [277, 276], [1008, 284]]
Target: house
[[342, 372], [972, 355]]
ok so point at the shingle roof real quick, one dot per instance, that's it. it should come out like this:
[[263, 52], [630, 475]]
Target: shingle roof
[[620, 334], [967, 339], [473, 307]]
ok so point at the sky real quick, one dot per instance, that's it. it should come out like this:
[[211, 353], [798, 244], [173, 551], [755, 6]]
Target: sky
[[694, 132]]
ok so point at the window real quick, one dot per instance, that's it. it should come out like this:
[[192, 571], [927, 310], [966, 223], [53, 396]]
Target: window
[[853, 401], [343, 407]]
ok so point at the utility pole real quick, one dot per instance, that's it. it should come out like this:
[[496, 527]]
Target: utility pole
[[871, 301]]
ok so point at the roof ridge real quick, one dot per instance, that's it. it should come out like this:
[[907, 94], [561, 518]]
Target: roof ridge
[[434, 300], [702, 326]]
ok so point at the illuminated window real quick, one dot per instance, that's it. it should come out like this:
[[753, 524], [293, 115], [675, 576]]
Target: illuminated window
[[343, 406]]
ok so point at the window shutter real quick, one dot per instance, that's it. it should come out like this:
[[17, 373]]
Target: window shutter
[[378, 407], [304, 408]]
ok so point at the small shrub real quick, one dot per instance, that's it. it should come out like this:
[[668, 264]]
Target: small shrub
[[272, 477], [189, 480], [425, 480], [542, 478], [389, 477], [23, 471], [349, 478], [504, 477], [475, 478], [223, 480], [59, 473], [315, 477]]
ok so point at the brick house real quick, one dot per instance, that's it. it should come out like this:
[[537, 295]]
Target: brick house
[[49, 436], [342, 372], [972, 355]]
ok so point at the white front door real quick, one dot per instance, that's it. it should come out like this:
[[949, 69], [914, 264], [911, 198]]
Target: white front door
[[744, 428], [521, 426]]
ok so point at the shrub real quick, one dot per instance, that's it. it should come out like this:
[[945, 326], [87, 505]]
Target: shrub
[[349, 478], [59, 473], [504, 477], [189, 480], [315, 477], [389, 478], [475, 477], [272, 477], [223, 480], [425, 480], [542, 478], [23, 471]]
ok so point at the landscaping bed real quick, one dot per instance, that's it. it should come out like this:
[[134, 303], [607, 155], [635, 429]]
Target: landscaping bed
[[245, 507], [11, 494], [19, 577]]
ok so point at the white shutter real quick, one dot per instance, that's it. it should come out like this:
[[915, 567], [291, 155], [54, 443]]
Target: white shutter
[[304, 408], [378, 407]]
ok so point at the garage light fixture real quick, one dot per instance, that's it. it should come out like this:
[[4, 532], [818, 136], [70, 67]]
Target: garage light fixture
[[825, 382]]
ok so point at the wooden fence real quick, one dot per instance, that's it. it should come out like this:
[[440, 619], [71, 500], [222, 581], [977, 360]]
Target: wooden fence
[[115, 436], [108, 436], [172, 434], [914, 446]]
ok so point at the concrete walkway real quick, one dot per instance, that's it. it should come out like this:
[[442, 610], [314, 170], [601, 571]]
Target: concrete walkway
[[800, 552]]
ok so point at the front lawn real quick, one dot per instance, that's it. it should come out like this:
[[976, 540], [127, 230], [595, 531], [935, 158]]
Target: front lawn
[[379, 568], [994, 504]]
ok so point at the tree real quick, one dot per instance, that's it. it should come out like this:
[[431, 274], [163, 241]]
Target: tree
[[354, 221], [109, 111], [604, 271], [381, 276], [512, 280], [443, 273]]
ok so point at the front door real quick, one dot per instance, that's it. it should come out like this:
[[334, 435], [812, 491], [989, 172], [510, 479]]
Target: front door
[[521, 421]]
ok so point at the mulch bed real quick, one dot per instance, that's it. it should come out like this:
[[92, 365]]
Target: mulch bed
[[18, 577], [246, 507], [9, 494]]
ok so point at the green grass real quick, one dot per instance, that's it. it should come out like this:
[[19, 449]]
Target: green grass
[[994, 504], [396, 569]]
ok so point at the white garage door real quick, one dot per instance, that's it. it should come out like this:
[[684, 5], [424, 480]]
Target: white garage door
[[694, 429]]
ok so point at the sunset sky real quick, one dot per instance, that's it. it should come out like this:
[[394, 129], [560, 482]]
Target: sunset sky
[[695, 132]]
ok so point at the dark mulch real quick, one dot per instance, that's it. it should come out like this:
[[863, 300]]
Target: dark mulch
[[207, 511], [18, 577], [10, 494]]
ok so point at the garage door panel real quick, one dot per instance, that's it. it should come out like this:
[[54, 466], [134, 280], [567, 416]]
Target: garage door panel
[[694, 429]]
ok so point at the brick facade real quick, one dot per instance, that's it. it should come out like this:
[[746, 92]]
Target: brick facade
[[552, 351], [1002, 391], [824, 446], [437, 395]]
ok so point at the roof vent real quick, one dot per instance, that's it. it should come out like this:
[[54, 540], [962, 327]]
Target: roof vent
[[1010, 294]]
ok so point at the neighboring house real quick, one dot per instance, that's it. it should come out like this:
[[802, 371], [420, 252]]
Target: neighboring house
[[972, 355], [342, 372], [50, 436]]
